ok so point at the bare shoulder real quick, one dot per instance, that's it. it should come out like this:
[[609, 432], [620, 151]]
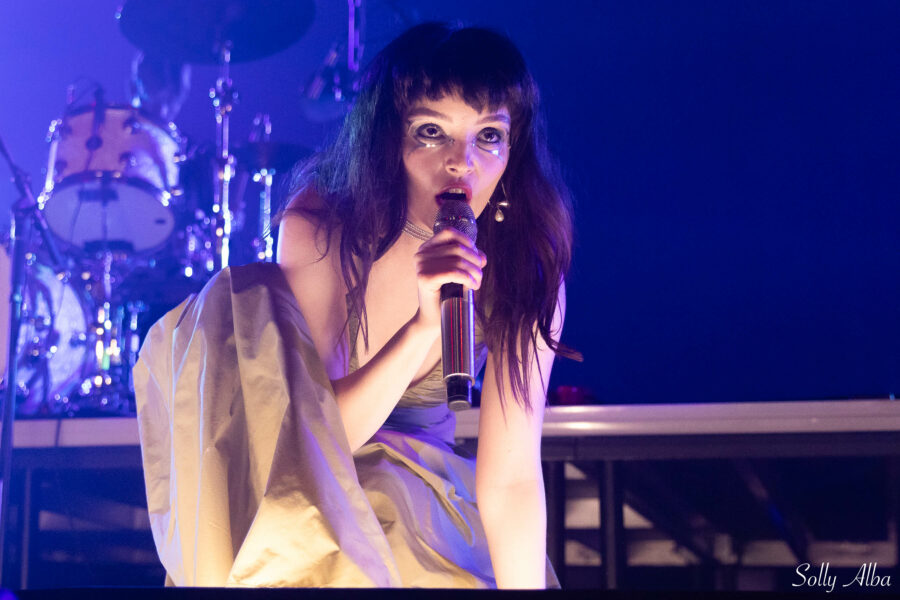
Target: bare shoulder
[[302, 239], [310, 261]]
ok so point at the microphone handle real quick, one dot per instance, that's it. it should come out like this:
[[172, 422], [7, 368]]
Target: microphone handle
[[457, 339]]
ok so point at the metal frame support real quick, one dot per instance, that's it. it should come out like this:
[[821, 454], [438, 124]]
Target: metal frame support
[[612, 525]]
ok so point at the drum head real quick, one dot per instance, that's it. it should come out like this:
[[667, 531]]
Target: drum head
[[53, 350], [110, 176], [91, 211]]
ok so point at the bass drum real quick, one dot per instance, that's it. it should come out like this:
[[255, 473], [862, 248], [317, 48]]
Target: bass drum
[[111, 176], [54, 350]]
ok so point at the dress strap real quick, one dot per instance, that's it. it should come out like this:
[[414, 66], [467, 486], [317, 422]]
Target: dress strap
[[353, 331]]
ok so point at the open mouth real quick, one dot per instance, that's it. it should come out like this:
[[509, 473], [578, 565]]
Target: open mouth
[[455, 193]]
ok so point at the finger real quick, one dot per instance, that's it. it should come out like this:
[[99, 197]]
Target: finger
[[452, 258], [451, 269], [452, 234], [449, 263], [450, 246], [434, 282]]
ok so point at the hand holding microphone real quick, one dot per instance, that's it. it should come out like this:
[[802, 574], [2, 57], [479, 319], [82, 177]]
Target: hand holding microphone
[[457, 310], [448, 268]]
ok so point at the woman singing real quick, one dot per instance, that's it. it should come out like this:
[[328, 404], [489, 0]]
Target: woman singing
[[294, 421]]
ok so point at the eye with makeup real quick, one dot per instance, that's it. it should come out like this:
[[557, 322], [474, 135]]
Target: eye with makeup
[[491, 137], [431, 135]]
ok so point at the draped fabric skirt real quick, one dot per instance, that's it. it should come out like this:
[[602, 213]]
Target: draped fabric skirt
[[250, 479]]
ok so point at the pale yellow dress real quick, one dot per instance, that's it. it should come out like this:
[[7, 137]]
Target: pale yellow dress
[[250, 479]]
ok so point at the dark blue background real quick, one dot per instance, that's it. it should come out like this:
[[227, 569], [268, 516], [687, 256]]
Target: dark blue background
[[735, 169]]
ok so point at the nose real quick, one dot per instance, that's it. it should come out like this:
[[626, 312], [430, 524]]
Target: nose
[[459, 158]]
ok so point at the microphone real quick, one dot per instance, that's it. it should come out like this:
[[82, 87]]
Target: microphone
[[457, 310]]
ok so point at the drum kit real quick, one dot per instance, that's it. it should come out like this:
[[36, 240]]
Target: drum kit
[[116, 203]]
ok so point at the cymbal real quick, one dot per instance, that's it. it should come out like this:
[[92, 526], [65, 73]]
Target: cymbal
[[194, 32], [270, 155]]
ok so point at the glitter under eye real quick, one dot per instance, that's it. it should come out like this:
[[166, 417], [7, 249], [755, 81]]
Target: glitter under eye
[[492, 137], [493, 140]]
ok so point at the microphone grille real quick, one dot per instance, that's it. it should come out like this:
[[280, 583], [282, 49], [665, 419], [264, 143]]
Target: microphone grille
[[458, 215]]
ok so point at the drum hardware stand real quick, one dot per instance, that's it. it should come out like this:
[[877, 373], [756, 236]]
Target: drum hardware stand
[[333, 86], [224, 97], [25, 216], [115, 351], [104, 349], [263, 242], [356, 33], [133, 337]]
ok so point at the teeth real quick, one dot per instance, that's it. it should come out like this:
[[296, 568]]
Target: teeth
[[456, 191]]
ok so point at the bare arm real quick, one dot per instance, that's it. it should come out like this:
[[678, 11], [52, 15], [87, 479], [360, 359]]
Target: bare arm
[[366, 397], [508, 480]]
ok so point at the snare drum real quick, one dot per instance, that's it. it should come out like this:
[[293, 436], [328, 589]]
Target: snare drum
[[110, 178]]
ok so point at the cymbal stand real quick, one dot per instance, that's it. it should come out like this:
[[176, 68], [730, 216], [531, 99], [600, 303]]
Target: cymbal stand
[[110, 389], [356, 34], [25, 217], [263, 243], [105, 349], [224, 97]]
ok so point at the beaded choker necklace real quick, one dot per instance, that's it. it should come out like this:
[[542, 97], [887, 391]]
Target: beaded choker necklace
[[417, 232]]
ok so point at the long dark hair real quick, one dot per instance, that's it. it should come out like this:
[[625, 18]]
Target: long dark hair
[[360, 181]]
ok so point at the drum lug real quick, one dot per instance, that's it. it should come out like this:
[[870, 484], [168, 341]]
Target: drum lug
[[93, 143], [132, 124]]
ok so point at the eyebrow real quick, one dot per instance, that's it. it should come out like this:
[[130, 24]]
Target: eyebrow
[[421, 111]]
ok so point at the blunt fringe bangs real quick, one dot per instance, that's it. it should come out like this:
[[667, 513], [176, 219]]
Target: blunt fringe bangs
[[484, 68]]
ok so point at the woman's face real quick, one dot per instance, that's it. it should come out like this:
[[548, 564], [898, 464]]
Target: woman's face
[[449, 146]]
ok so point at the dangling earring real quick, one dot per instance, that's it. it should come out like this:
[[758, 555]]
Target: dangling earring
[[498, 208]]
